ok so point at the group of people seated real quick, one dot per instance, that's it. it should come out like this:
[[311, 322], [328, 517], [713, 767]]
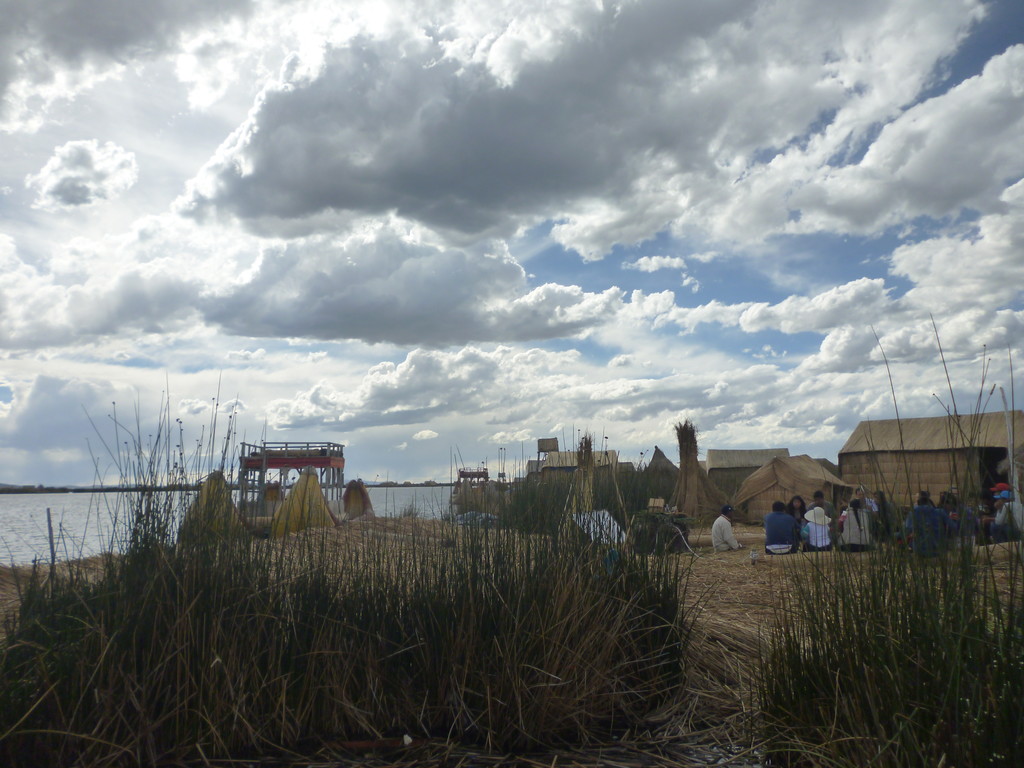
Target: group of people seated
[[927, 528], [793, 527], [997, 518]]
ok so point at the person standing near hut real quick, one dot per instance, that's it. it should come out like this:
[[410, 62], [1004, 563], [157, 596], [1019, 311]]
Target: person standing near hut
[[722, 537], [781, 531]]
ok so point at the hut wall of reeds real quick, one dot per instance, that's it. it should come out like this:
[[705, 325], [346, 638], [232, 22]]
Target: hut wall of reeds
[[784, 477], [942, 453], [727, 469]]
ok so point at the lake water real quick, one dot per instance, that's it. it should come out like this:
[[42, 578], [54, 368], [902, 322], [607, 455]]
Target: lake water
[[84, 523]]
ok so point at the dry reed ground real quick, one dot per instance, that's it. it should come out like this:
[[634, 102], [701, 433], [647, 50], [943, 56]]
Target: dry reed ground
[[732, 599]]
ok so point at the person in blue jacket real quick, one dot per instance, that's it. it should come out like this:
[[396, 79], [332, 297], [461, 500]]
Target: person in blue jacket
[[781, 531], [927, 526]]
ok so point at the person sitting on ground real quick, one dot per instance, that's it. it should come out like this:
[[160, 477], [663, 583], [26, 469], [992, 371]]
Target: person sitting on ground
[[828, 506], [1007, 523], [722, 537], [987, 511], [815, 533], [870, 503], [951, 512], [866, 502], [797, 507], [888, 523], [927, 527], [781, 532], [855, 528]]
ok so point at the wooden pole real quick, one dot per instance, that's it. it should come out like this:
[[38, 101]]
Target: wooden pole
[[53, 544]]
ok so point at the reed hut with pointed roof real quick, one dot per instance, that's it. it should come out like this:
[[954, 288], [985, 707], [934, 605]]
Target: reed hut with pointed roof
[[660, 477], [784, 477], [954, 452], [727, 469]]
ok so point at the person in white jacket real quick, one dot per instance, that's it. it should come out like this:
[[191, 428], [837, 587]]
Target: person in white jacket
[[722, 537], [855, 528]]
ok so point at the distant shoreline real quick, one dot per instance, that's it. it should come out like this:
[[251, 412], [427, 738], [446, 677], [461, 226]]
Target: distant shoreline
[[138, 488]]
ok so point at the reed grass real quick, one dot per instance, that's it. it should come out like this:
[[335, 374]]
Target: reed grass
[[890, 659], [215, 645]]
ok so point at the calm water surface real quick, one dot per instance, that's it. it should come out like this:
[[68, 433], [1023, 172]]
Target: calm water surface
[[85, 523]]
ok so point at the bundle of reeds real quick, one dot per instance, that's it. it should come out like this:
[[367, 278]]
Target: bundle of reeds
[[694, 494]]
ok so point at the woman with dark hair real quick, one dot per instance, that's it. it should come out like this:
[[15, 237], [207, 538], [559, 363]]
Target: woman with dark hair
[[797, 508]]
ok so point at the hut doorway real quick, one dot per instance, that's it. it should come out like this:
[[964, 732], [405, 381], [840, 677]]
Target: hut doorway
[[988, 460]]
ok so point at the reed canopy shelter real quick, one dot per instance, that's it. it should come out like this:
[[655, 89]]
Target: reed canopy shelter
[[727, 469], [959, 453], [784, 477]]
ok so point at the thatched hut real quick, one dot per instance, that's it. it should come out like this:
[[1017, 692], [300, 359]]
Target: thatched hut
[[694, 495], [661, 475], [904, 456], [784, 477], [727, 469], [570, 461]]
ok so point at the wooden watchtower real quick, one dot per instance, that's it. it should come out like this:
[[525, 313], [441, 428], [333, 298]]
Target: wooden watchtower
[[260, 489]]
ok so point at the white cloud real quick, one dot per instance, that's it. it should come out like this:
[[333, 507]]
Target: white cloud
[[381, 124], [654, 263], [83, 173], [247, 355], [969, 269], [52, 49], [921, 163], [425, 434]]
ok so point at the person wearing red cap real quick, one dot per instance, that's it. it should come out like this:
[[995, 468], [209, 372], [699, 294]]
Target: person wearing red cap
[[1008, 523]]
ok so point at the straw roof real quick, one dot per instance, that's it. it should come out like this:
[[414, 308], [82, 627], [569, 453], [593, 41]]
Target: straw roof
[[661, 463], [730, 459], [788, 475], [937, 433], [571, 459]]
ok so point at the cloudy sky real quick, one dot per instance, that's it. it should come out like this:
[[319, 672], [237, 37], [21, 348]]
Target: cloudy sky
[[426, 227]]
